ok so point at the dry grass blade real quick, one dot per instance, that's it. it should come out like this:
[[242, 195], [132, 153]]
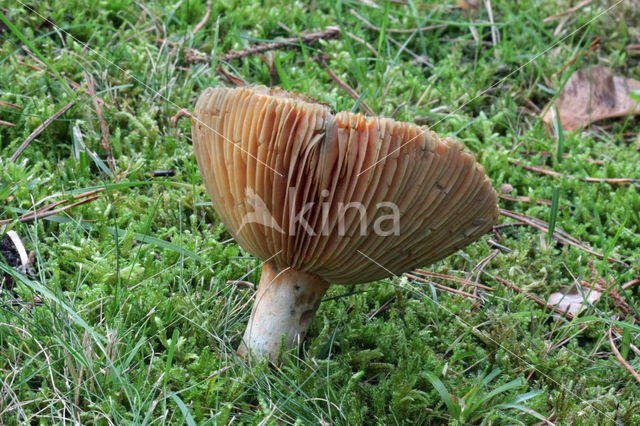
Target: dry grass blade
[[41, 128], [7, 123], [623, 361], [104, 129], [567, 12], [558, 235], [204, 19]]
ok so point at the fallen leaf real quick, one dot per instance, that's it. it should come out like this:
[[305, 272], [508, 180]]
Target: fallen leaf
[[590, 95], [574, 302], [469, 4]]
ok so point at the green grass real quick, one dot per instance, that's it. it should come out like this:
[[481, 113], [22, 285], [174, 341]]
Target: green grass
[[138, 321]]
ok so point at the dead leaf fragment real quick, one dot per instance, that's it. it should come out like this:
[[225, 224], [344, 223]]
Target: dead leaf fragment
[[469, 4], [574, 302], [590, 95]]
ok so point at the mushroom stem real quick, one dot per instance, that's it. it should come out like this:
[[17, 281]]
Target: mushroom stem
[[285, 304]]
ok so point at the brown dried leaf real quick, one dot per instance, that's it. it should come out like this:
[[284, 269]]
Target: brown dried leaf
[[469, 4], [575, 302], [590, 95]]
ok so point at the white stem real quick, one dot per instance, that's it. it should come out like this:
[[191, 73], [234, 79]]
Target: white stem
[[285, 304]]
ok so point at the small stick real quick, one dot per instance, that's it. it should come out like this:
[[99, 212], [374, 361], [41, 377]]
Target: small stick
[[536, 299], [524, 199], [204, 20], [195, 56], [558, 235], [344, 86], [633, 47], [7, 123], [594, 44], [89, 193], [10, 105], [173, 121], [30, 217], [623, 361], [610, 181], [567, 12], [41, 128], [231, 77], [396, 109], [452, 278], [499, 246], [630, 284], [106, 145]]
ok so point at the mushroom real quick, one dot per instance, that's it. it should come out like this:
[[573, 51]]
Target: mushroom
[[330, 198]]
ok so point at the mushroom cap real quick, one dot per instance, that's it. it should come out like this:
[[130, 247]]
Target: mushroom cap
[[345, 197]]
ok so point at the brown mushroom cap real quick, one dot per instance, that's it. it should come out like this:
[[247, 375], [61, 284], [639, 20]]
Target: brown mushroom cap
[[315, 192]]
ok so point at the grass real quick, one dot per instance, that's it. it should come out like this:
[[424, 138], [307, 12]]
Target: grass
[[138, 322]]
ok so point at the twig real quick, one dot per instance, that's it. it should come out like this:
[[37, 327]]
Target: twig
[[104, 129], [10, 105], [558, 235], [451, 278], [499, 246], [623, 361], [344, 86], [196, 56], [30, 217], [204, 20], [173, 121], [7, 123], [565, 155], [633, 47], [525, 199], [630, 284], [567, 12], [396, 109], [536, 299], [41, 128], [231, 77], [610, 181], [594, 45]]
